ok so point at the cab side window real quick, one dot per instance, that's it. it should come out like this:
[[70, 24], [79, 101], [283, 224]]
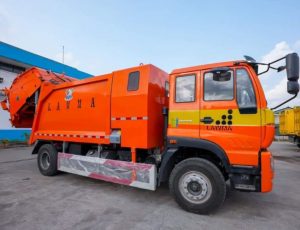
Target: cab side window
[[185, 88], [133, 81], [216, 89], [245, 93]]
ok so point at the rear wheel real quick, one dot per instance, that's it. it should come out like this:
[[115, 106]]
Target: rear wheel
[[197, 185], [47, 160]]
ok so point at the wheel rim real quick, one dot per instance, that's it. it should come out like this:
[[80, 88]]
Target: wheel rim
[[45, 160], [195, 187]]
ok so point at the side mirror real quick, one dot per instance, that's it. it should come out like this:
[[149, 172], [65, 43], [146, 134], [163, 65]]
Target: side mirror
[[292, 67], [292, 71], [293, 87], [221, 74]]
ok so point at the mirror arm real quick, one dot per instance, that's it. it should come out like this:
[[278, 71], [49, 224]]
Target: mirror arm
[[277, 60], [265, 70], [269, 65], [293, 97]]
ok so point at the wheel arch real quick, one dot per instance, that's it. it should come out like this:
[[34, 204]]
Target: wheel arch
[[39, 143], [196, 148]]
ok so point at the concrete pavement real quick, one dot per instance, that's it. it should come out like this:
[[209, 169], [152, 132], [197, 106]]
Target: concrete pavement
[[29, 200]]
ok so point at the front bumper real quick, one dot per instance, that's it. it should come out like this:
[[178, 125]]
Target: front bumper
[[267, 171], [254, 179]]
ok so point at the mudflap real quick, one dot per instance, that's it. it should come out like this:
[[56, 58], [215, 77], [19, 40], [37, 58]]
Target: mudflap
[[127, 173]]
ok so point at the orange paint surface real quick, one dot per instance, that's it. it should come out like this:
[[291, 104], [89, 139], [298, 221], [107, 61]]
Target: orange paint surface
[[267, 172], [87, 111], [242, 144]]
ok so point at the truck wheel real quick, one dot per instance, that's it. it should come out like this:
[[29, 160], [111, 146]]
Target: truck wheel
[[47, 160], [197, 185]]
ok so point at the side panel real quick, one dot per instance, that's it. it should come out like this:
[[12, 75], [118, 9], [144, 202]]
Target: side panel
[[129, 109], [297, 120], [120, 172], [290, 121], [78, 112], [282, 127], [156, 101]]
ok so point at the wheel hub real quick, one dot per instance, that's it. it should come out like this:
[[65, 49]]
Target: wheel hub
[[195, 187], [45, 161]]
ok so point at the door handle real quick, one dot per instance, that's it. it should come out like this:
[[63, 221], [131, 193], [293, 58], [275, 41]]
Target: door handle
[[207, 120]]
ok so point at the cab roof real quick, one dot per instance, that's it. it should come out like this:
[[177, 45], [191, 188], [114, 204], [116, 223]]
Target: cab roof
[[207, 66]]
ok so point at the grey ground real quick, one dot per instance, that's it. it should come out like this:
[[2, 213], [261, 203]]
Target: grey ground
[[31, 201]]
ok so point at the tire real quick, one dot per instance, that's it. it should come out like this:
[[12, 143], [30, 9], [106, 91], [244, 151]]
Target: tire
[[197, 185], [47, 160]]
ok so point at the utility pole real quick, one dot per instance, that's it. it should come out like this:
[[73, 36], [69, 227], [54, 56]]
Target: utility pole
[[63, 54]]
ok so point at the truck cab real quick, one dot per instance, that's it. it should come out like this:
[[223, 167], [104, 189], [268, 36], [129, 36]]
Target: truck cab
[[219, 113]]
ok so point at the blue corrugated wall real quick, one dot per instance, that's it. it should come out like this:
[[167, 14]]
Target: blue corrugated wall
[[14, 135], [23, 56]]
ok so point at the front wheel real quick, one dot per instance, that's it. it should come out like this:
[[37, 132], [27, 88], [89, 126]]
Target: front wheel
[[47, 160], [197, 185]]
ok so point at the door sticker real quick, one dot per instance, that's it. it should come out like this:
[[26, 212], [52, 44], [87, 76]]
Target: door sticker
[[223, 124]]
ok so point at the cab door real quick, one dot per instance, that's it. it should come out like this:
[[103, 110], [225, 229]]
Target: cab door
[[184, 107], [229, 114]]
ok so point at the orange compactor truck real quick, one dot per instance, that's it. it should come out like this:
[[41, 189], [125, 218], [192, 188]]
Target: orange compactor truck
[[194, 128]]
